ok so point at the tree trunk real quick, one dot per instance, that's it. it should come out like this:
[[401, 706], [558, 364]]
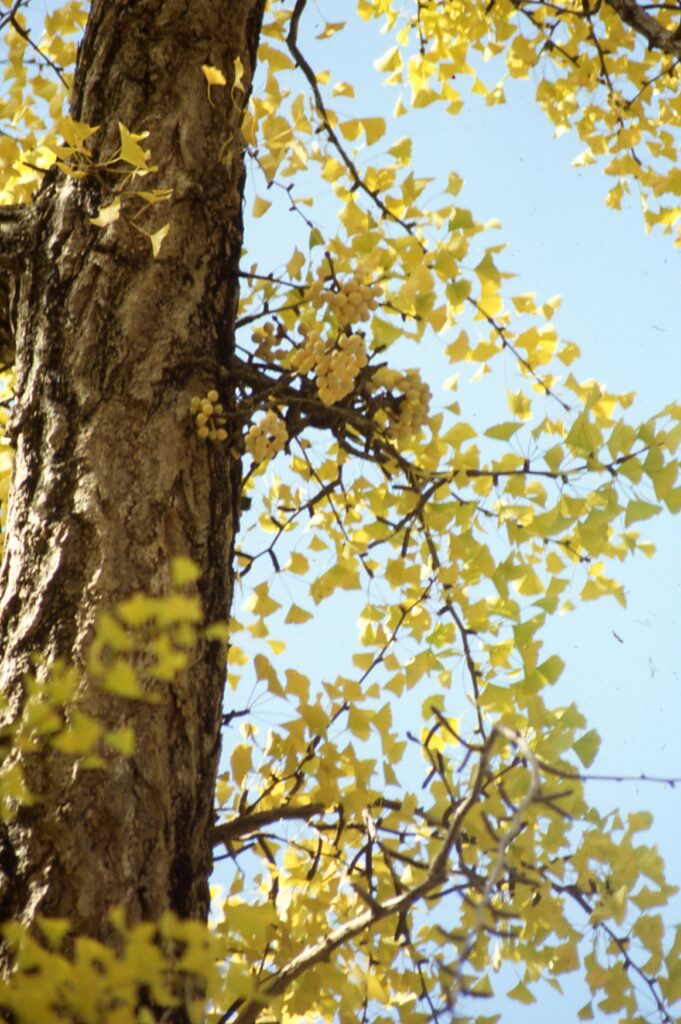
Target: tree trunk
[[110, 479]]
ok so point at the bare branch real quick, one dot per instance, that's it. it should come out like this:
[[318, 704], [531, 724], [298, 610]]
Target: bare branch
[[248, 824]]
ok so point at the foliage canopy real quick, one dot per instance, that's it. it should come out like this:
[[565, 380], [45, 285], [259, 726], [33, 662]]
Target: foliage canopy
[[370, 871]]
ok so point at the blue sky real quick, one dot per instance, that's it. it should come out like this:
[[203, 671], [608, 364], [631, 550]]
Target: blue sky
[[620, 290]]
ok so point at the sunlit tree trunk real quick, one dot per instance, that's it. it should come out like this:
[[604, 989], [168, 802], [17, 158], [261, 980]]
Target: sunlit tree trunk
[[110, 479]]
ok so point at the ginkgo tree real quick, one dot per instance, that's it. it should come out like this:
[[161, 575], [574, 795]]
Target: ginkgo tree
[[181, 419]]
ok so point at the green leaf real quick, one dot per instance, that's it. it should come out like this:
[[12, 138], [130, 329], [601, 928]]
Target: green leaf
[[587, 747], [552, 669]]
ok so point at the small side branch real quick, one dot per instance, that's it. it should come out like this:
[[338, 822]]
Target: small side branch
[[248, 824]]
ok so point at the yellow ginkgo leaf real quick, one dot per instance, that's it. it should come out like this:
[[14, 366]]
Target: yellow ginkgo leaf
[[131, 152], [213, 77], [260, 206], [107, 214], [238, 76], [157, 237]]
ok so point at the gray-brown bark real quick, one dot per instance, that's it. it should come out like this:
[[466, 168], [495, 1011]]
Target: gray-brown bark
[[110, 479]]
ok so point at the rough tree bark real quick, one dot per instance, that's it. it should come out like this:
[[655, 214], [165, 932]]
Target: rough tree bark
[[110, 480]]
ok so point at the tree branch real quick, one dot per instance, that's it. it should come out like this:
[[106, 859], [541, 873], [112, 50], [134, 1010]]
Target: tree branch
[[658, 37], [246, 824]]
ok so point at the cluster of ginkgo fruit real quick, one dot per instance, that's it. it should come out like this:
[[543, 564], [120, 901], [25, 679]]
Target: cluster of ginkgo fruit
[[411, 411], [350, 301], [335, 364], [266, 437], [265, 339], [209, 417]]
